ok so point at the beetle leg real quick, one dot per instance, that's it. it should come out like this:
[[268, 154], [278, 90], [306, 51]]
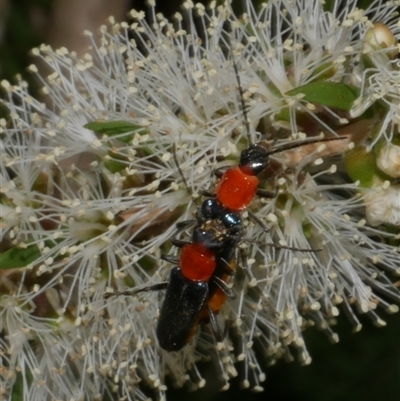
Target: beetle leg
[[179, 243], [206, 193], [226, 268], [258, 221], [224, 287], [218, 334], [263, 193], [218, 172], [171, 259], [183, 225], [156, 287], [243, 259], [291, 248]]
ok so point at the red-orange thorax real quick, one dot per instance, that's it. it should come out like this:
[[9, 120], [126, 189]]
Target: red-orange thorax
[[236, 189], [196, 262]]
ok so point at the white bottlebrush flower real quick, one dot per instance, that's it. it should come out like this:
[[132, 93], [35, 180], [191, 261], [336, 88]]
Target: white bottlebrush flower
[[380, 77], [382, 203], [295, 44], [90, 193], [382, 84], [388, 160]]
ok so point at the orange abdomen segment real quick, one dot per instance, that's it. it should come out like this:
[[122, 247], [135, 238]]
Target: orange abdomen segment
[[236, 189], [196, 262], [215, 303], [217, 300]]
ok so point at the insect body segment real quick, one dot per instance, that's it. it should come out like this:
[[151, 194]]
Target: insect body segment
[[196, 262], [236, 189], [207, 268], [184, 300], [197, 288], [225, 268], [238, 185]]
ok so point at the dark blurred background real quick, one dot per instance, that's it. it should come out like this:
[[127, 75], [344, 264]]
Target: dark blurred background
[[363, 366]]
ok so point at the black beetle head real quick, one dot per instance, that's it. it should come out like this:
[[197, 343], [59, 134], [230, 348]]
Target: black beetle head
[[255, 158]]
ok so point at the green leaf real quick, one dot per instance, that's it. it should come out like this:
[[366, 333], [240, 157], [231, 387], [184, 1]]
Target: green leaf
[[360, 165], [18, 387], [283, 115], [116, 128], [323, 72], [114, 166], [330, 94], [19, 257]]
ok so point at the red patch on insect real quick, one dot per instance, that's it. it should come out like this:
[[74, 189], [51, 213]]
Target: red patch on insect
[[196, 262], [236, 189]]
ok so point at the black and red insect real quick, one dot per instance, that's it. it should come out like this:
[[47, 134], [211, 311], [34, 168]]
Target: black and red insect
[[197, 289], [238, 185], [197, 286]]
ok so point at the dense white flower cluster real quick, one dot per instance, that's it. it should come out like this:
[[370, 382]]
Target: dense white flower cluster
[[90, 191]]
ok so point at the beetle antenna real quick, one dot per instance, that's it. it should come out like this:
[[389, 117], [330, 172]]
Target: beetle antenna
[[309, 141], [289, 248], [241, 93]]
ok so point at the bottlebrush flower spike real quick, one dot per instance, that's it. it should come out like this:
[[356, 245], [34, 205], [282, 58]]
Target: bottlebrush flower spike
[[90, 191]]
